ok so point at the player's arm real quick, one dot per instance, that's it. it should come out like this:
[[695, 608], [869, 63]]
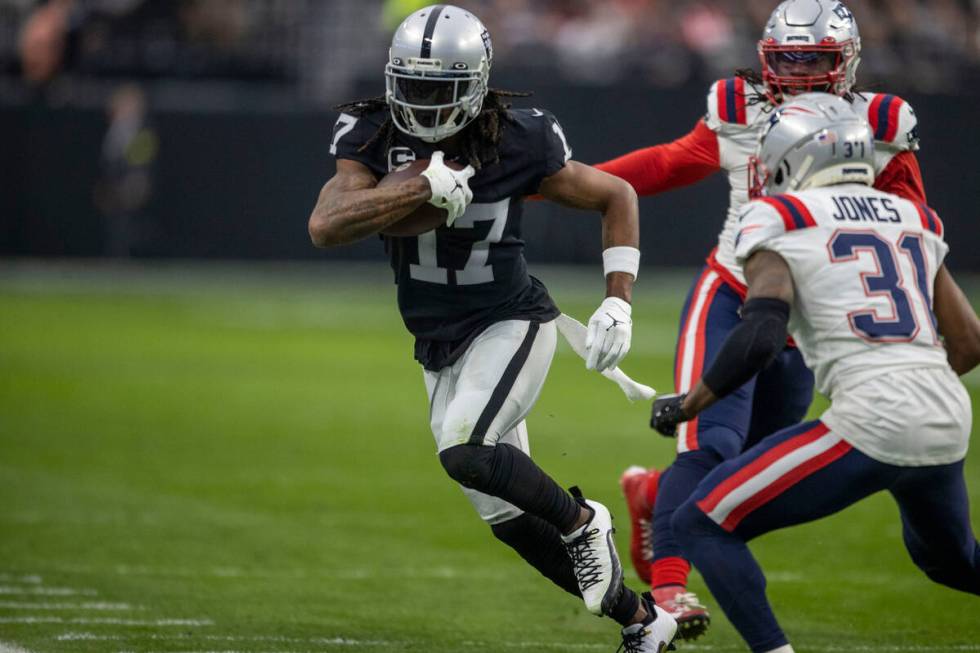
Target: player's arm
[[580, 186], [750, 347], [350, 208], [656, 169], [957, 322]]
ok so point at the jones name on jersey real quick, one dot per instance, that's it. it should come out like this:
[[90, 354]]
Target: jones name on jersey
[[455, 281]]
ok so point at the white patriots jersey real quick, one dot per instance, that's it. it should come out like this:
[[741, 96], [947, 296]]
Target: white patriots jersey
[[738, 111], [864, 265]]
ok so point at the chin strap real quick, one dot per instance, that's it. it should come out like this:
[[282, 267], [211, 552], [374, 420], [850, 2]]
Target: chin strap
[[574, 333]]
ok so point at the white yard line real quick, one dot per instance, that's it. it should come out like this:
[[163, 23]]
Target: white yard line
[[355, 573], [87, 605], [6, 647], [350, 573], [271, 639], [29, 579], [107, 621], [87, 637], [47, 591]]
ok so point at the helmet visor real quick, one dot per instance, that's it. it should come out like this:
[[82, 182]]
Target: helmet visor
[[441, 95], [429, 92], [421, 89], [802, 63]]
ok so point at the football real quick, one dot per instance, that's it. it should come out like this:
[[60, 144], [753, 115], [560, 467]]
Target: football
[[426, 217]]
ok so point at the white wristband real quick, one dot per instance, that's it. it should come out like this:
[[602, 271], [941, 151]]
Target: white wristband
[[621, 259]]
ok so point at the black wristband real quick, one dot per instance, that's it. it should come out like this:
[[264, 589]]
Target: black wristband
[[750, 347]]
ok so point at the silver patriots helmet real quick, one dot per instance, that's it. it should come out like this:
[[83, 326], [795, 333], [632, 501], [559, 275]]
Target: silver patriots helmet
[[809, 45], [813, 140], [437, 73]]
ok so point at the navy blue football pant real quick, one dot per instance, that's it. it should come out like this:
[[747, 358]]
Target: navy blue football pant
[[778, 397], [799, 475]]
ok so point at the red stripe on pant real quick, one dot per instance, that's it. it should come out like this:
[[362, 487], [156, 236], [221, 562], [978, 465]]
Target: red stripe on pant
[[689, 430], [785, 482], [724, 488], [682, 344]]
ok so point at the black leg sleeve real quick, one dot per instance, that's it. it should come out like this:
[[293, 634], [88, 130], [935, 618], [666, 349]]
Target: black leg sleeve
[[508, 473], [540, 544]]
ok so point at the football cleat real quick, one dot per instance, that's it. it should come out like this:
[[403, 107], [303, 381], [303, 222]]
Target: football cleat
[[639, 486], [692, 617], [594, 558], [656, 633]]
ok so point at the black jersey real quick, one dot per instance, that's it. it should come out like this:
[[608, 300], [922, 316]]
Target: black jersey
[[453, 282]]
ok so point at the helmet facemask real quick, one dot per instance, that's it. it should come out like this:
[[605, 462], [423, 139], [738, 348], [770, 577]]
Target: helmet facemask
[[759, 176], [430, 103], [790, 70]]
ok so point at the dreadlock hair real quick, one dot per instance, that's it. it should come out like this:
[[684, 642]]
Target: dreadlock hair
[[754, 78], [480, 138]]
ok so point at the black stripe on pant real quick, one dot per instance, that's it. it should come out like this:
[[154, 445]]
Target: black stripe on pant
[[504, 386]]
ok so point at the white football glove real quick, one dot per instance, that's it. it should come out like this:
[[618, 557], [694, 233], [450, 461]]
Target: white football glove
[[450, 188], [610, 331]]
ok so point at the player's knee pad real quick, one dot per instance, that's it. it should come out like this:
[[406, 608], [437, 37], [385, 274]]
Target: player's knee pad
[[470, 465]]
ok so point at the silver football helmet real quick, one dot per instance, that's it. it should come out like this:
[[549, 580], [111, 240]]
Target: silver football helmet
[[816, 139], [809, 45], [437, 73]]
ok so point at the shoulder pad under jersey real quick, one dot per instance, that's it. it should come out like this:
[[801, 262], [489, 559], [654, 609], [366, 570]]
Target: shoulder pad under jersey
[[728, 103], [892, 119], [765, 219], [540, 129], [930, 219]]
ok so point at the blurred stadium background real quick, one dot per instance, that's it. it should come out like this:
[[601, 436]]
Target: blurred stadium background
[[212, 436], [130, 126]]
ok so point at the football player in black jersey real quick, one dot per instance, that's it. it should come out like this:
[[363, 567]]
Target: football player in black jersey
[[485, 330]]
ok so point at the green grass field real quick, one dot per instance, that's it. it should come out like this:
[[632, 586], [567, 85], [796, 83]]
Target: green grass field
[[238, 459]]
